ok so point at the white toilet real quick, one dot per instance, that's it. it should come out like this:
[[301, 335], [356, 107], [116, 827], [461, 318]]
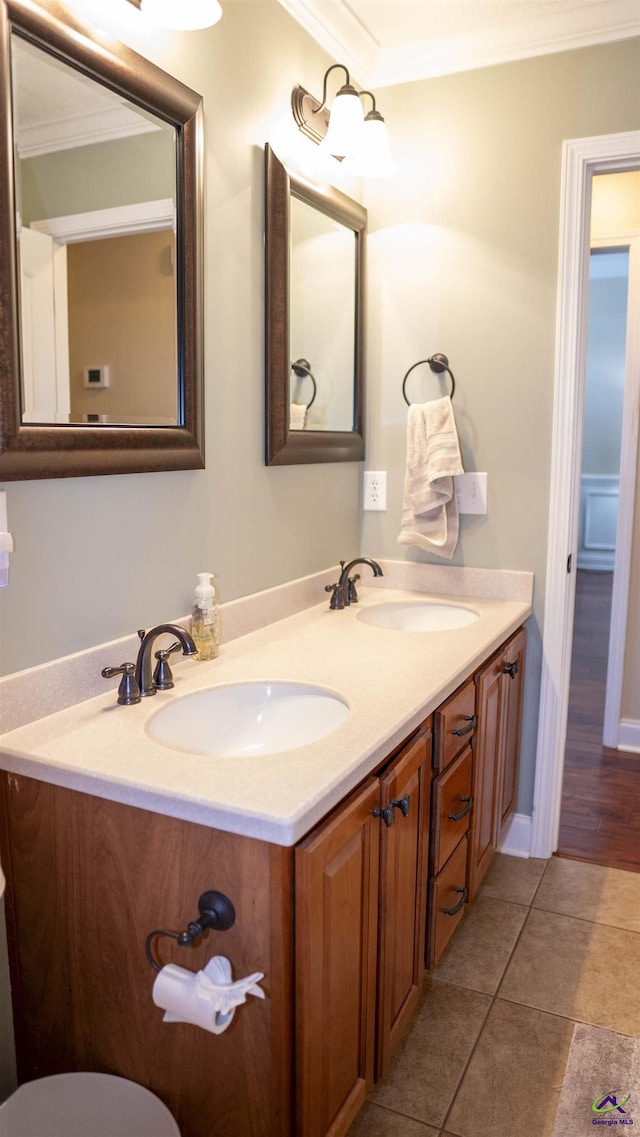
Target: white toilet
[[85, 1105]]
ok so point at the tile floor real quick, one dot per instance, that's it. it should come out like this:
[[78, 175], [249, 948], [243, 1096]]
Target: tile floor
[[545, 945]]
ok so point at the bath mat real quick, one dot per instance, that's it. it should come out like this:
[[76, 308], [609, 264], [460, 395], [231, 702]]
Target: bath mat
[[601, 1085]]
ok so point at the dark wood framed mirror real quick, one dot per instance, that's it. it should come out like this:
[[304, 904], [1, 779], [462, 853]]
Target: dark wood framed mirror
[[95, 405], [314, 320]]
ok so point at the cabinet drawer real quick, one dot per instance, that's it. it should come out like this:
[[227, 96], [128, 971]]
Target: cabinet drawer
[[452, 807], [453, 725], [448, 897]]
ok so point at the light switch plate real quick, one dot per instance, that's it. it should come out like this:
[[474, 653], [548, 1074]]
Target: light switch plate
[[471, 493]]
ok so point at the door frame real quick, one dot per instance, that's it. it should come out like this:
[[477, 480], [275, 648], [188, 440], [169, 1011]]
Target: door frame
[[581, 159]]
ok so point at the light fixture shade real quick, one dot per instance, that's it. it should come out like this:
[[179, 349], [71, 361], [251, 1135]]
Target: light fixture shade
[[346, 124], [183, 15], [373, 158]]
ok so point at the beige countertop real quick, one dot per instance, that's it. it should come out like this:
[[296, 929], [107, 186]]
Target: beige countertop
[[391, 681]]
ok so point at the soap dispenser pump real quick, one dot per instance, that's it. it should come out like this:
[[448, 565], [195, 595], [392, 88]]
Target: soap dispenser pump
[[205, 619]]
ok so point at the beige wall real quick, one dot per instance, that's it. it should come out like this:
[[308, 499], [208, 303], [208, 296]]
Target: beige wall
[[463, 251], [99, 557], [615, 204], [122, 313]]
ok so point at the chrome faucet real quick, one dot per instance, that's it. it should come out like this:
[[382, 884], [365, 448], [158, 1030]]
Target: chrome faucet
[[143, 664], [344, 592]]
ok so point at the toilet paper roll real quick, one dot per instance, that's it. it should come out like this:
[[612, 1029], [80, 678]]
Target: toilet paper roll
[[206, 998]]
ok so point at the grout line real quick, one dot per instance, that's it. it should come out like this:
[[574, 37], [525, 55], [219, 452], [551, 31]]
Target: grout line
[[489, 1010], [585, 920], [406, 1117]]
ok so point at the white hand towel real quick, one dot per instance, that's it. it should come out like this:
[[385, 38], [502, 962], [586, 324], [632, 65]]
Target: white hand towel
[[297, 416], [430, 509]]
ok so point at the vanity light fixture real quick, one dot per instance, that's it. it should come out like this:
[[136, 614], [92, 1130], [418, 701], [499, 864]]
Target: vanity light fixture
[[373, 158], [182, 15], [345, 132]]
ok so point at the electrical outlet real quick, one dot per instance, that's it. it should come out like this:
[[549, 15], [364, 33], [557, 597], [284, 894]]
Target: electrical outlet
[[471, 493], [375, 489]]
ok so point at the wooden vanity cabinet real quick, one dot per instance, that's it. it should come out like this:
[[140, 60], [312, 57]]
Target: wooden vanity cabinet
[[338, 924], [499, 688], [360, 926]]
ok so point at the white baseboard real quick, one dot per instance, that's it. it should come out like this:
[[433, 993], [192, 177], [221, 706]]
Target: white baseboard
[[517, 842], [629, 736]]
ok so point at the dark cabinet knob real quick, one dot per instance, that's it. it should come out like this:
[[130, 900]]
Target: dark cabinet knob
[[512, 669], [402, 804], [386, 815]]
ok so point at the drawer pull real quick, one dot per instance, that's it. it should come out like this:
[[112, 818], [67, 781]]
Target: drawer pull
[[512, 669], [462, 900], [465, 812], [471, 721], [402, 804], [385, 814]]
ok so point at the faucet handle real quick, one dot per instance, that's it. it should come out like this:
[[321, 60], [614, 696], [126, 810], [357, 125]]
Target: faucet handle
[[337, 599], [162, 676], [352, 595], [128, 691]]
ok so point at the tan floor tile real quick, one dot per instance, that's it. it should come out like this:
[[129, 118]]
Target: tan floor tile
[[584, 971], [512, 1086], [373, 1121], [514, 879], [479, 952], [592, 892], [429, 1064]]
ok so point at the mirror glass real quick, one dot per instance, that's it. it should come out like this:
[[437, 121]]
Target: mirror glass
[[101, 340], [322, 320], [314, 268], [95, 181]]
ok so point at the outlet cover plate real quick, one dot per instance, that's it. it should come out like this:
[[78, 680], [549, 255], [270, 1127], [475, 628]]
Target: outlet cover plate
[[375, 489]]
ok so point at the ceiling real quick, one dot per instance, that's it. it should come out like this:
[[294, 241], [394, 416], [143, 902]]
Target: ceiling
[[385, 42]]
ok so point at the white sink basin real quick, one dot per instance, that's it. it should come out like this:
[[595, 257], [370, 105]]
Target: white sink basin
[[418, 616], [248, 719]]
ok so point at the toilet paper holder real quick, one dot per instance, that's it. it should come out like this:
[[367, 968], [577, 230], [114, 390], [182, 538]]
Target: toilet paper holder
[[215, 911]]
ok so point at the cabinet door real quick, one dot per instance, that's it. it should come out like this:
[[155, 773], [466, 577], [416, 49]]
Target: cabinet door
[[404, 847], [485, 765], [336, 945], [507, 775]]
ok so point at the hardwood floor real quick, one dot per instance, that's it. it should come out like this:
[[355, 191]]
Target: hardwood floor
[[600, 812]]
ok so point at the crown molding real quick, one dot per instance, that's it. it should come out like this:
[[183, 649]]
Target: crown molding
[[81, 130], [116, 221], [334, 26]]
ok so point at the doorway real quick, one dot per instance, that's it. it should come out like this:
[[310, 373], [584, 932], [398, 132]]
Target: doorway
[[600, 794], [583, 159]]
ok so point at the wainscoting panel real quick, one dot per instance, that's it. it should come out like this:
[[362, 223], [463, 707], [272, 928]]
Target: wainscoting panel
[[599, 495]]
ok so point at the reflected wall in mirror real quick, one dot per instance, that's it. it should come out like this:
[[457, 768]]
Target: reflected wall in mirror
[[101, 360], [314, 263]]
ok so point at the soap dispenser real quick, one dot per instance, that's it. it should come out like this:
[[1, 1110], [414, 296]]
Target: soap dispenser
[[205, 617]]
